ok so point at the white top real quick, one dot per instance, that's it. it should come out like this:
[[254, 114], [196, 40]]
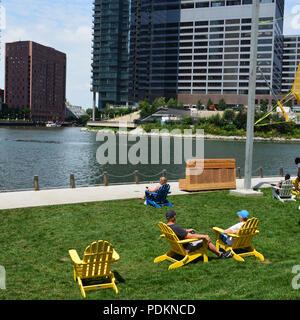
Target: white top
[[235, 228], [298, 165]]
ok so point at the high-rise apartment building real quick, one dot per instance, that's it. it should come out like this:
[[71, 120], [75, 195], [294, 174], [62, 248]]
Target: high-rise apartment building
[[290, 62], [201, 49], [35, 78], [110, 52]]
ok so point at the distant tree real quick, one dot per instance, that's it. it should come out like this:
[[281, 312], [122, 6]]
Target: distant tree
[[83, 119], [187, 120], [222, 104], [240, 107], [145, 108], [228, 116], [209, 103], [159, 102], [264, 105], [172, 102], [199, 105], [181, 104], [240, 120]]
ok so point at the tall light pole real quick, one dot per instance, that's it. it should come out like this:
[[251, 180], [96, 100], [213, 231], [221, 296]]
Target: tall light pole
[[251, 94]]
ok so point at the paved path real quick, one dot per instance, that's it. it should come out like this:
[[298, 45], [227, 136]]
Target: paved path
[[26, 199]]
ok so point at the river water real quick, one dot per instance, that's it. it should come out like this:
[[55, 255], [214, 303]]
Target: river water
[[54, 153]]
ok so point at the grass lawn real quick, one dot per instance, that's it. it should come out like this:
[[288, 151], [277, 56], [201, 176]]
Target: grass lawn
[[34, 246]]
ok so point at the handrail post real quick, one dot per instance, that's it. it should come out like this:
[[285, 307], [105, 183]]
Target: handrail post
[[136, 173], [281, 172], [239, 173], [72, 181], [261, 172], [36, 183], [105, 177], [164, 173]]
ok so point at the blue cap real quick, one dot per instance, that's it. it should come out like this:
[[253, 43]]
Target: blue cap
[[243, 213]]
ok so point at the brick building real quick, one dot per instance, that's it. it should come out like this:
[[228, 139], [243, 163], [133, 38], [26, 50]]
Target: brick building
[[35, 78]]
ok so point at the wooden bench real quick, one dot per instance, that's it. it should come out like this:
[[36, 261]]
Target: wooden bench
[[209, 174]]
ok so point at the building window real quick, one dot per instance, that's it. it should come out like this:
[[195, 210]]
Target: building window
[[218, 4], [202, 5]]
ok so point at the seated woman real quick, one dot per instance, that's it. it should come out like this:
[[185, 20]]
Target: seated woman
[[162, 181], [278, 185]]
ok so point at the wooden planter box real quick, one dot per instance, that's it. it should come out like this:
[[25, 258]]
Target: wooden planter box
[[209, 174]]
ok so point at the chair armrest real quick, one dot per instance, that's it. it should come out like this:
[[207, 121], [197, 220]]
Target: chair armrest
[[222, 231], [74, 256], [181, 241], [188, 240], [150, 192], [115, 256], [218, 229]]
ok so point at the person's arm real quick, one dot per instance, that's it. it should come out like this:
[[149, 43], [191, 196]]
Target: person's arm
[[197, 236], [228, 231], [154, 189]]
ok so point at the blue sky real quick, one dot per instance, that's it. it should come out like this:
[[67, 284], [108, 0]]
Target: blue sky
[[66, 25]]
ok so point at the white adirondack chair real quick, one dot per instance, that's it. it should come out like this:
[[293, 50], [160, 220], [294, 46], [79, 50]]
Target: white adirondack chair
[[285, 192]]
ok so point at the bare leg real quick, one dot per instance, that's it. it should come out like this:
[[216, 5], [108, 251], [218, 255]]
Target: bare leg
[[213, 249]]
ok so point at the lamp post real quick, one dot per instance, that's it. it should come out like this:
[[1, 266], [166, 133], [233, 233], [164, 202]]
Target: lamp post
[[251, 94]]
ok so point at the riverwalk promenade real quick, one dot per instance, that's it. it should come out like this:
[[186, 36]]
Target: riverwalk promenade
[[27, 199]]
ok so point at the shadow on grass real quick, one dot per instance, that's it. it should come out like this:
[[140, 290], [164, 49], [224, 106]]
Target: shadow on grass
[[102, 280]]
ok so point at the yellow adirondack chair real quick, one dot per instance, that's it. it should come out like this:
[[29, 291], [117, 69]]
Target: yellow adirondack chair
[[96, 263], [241, 240], [178, 249]]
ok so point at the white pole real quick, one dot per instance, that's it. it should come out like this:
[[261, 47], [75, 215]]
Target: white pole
[[94, 104], [251, 94]]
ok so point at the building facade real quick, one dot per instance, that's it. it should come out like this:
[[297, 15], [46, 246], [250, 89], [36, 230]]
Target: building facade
[[290, 63], [195, 50], [110, 52], [35, 78]]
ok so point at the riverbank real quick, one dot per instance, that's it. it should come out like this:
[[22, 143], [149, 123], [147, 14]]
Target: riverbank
[[139, 131]]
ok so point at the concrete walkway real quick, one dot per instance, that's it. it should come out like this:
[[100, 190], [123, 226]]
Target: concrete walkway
[[27, 199]]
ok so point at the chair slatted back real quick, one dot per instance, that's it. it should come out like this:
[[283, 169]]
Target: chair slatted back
[[97, 259], [170, 235], [286, 188], [162, 193], [245, 234]]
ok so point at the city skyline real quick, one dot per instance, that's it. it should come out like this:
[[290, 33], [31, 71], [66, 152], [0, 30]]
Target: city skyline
[[67, 26]]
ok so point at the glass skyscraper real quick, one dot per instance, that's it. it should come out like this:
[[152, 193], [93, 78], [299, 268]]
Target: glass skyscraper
[[194, 49], [110, 52], [185, 49]]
